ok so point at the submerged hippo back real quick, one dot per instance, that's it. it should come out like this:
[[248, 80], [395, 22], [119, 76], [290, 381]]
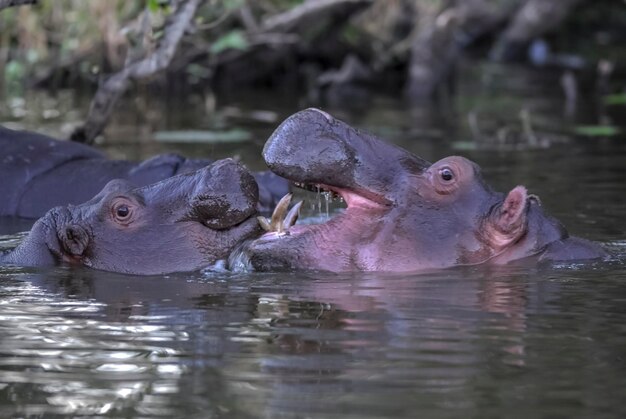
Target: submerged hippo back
[[26, 155], [40, 172]]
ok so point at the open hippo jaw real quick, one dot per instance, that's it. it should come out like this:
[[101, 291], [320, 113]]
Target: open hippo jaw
[[317, 152], [183, 223]]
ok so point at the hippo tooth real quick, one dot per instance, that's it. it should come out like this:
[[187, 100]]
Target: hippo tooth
[[292, 216], [264, 223], [276, 222], [281, 219]]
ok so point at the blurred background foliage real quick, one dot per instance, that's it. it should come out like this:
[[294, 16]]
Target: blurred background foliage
[[321, 50], [83, 39], [96, 36]]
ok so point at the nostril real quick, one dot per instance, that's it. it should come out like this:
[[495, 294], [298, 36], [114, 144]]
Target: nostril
[[75, 241], [70, 233]]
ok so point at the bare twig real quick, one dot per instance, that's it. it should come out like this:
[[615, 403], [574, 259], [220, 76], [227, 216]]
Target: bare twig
[[214, 24], [279, 30], [274, 39], [115, 86], [248, 19], [308, 11], [4, 4]]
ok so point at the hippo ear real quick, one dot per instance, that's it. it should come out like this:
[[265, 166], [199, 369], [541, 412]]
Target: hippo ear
[[508, 221]]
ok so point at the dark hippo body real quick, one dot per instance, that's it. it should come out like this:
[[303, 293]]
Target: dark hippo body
[[39, 173], [183, 223], [403, 213]]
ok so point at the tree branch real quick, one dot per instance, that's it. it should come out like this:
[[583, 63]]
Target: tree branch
[[309, 10], [440, 39], [4, 4], [115, 86]]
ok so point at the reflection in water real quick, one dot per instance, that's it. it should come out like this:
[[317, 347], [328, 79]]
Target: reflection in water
[[60, 358], [89, 343]]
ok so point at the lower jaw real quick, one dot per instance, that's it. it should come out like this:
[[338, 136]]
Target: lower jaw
[[244, 258], [292, 232]]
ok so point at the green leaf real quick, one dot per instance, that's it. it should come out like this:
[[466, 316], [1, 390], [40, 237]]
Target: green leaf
[[229, 136], [197, 70], [617, 99], [14, 71], [234, 39], [32, 55], [597, 130], [154, 5], [464, 145], [233, 4]]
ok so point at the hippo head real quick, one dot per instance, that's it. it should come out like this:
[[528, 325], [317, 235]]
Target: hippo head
[[403, 213], [183, 223]]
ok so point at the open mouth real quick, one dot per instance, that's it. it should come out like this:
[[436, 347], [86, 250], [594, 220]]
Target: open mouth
[[351, 198], [285, 216]]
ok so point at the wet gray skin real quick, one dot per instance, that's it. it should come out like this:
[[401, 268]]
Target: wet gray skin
[[403, 213], [183, 223]]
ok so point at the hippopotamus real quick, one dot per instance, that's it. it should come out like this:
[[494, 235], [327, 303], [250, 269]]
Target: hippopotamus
[[183, 223], [403, 213], [39, 173]]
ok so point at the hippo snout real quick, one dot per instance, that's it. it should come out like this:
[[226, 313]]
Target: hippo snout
[[310, 147], [326, 115], [73, 238]]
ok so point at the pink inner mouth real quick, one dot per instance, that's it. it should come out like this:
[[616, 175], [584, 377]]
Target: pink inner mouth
[[352, 199]]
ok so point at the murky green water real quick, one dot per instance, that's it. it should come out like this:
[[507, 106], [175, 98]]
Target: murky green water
[[474, 342]]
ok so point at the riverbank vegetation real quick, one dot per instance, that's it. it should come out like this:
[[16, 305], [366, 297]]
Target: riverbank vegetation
[[321, 48]]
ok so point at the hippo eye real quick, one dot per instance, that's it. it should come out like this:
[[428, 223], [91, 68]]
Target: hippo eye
[[122, 211], [446, 174]]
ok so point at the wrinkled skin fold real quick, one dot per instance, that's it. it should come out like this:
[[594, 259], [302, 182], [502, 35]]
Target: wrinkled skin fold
[[184, 223], [403, 213]]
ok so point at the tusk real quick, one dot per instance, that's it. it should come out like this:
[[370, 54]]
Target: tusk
[[279, 212], [282, 218], [264, 223], [292, 216]]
